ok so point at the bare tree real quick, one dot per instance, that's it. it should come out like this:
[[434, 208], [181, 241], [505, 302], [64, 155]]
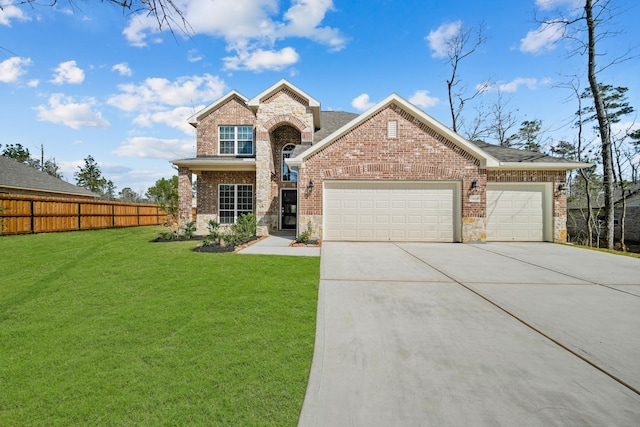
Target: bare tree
[[464, 43], [166, 12], [504, 119], [591, 19]]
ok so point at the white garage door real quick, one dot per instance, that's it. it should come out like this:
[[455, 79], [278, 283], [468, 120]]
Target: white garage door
[[515, 213], [389, 211]]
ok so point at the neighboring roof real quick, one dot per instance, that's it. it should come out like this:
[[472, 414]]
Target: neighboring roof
[[193, 120], [15, 175], [597, 200], [490, 156], [314, 105]]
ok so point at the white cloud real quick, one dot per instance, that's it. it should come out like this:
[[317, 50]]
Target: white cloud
[[194, 56], [122, 68], [156, 93], [68, 72], [250, 27], [440, 38], [259, 60], [156, 148], [11, 69], [543, 39], [64, 110], [176, 118], [422, 99], [513, 86], [33, 83], [553, 4], [362, 102], [9, 11]]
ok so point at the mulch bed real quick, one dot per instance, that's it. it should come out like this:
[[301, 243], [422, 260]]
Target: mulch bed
[[220, 249], [177, 239], [310, 243]]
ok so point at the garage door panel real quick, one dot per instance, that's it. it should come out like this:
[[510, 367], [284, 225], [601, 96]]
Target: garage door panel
[[397, 211], [515, 213]]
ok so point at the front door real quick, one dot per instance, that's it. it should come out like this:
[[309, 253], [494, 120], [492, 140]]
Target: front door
[[288, 209]]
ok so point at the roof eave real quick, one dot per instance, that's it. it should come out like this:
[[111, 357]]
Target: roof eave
[[40, 190], [194, 119], [200, 165], [539, 166]]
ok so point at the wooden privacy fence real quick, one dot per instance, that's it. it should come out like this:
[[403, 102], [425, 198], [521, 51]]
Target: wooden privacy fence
[[24, 214]]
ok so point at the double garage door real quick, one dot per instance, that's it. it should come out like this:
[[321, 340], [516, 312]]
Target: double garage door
[[430, 212], [390, 211]]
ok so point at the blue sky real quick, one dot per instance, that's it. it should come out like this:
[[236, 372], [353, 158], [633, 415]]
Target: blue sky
[[92, 80]]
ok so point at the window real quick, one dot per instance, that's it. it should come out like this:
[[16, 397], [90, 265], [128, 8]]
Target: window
[[236, 140], [234, 200], [288, 174]]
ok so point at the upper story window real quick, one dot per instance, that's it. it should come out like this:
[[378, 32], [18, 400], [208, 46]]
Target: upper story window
[[287, 173], [236, 140]]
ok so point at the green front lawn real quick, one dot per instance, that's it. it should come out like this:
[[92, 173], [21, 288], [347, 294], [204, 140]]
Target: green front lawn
[[106, 328]]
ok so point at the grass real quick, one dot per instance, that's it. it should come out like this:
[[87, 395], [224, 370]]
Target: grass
[[105, 328], [610, 251]]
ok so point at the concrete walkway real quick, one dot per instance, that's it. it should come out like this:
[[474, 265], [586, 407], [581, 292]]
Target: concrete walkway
[[475, 335], [279, 245]]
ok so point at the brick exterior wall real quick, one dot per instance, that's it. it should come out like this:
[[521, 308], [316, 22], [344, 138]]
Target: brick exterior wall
[[233, 112], [366, 152], [208, 182], [185, 214]]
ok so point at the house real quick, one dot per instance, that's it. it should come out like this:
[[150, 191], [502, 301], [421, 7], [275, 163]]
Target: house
[[577, 217], [18, 178], [391, 173]]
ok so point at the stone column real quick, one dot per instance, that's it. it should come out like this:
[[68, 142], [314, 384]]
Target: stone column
[[185, 196], [263, 180]]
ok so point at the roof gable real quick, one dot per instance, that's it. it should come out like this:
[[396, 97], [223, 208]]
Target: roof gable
[[314, 105], [484, 158], [193, 120]]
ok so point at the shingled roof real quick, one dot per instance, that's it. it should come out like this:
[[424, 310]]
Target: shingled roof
[[512, 155], [18, 178]]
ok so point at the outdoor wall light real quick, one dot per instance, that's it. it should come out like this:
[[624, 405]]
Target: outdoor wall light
[[474, 184], [310, 187], [561, 188]]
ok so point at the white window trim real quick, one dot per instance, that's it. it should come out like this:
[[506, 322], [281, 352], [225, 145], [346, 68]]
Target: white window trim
[[235, 202], [235, 141]]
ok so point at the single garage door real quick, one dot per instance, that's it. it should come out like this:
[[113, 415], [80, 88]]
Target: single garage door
[[389, 211], [516, 212]]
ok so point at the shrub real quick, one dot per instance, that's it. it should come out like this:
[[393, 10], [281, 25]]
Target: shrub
[[245, 227], [305, 235], [189, 230], [168, 235]]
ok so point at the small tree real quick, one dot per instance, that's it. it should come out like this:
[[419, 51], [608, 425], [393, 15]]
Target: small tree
[[528, 136], [17, 152], [165, 194], [90, 177]]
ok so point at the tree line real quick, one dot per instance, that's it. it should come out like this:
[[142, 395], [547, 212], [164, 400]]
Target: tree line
[[600, 110], [89, 176]]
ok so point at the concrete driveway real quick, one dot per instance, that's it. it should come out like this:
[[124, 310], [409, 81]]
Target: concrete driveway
[[475, 335]]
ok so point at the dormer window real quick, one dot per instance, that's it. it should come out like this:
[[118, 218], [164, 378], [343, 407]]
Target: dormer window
[[235, 140], [287, 173]]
